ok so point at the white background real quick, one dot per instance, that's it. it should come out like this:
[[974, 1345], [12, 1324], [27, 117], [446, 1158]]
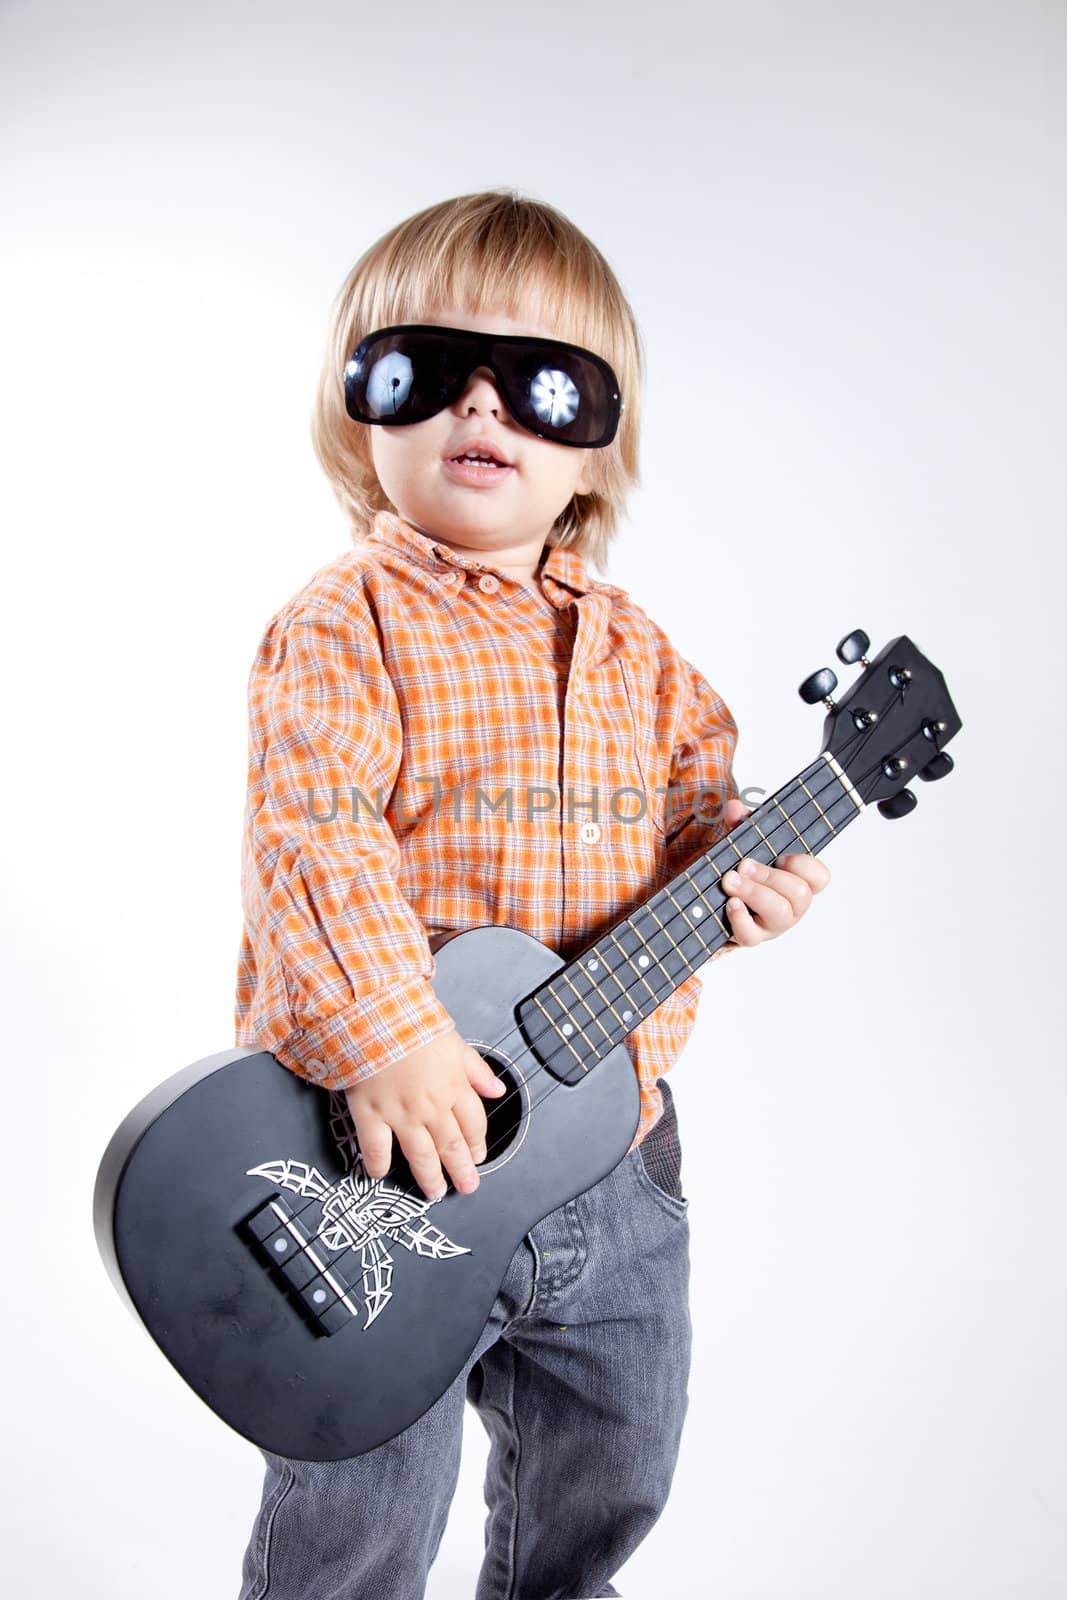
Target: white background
[[842, 230]]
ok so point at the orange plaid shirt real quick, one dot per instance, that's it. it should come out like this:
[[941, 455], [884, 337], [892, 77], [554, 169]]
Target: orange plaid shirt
[[449, 694]]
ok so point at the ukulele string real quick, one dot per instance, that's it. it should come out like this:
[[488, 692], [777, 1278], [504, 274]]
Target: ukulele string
[[858, 740], [493, 1148], [765, 835], [515, 1033]]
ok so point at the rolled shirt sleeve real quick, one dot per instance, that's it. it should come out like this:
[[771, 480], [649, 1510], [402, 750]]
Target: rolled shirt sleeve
[[335, 969]]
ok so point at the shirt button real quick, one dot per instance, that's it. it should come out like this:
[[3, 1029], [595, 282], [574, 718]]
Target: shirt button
[[487, 583], [589, 832]]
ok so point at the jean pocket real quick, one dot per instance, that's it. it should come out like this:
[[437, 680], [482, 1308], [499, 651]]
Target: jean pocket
[[658, 1161], [677, 1205]]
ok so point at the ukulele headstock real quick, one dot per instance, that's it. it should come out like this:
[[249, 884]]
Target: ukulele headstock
[[892, 723]]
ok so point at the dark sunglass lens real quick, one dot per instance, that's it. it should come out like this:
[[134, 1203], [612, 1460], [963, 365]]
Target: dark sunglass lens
[[558, 394], [399, 376]]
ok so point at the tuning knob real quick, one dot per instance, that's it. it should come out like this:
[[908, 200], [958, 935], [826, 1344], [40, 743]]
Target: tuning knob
[[820, 686], [853, 648], [938, 767], [898, 805]]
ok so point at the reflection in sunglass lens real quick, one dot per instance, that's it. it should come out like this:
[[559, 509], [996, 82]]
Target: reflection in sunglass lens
[[389, 384], [404, 377], [554, 398]]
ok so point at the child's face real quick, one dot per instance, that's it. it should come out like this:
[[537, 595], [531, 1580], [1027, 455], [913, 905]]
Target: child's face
[[514, 515]]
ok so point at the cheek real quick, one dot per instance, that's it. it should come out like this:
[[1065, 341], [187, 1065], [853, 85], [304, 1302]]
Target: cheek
[[397, 452], [378, 448], [564, 469]]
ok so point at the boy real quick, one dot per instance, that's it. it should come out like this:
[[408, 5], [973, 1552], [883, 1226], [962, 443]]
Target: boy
[[461, 652]]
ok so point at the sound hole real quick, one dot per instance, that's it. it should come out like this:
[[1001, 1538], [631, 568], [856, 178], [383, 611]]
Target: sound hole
[[504, 1114]]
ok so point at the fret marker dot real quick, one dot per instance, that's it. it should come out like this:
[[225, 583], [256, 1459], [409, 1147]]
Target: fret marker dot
[[642, 961], [594, 966], [567, 1029], [698, 911], [319, 1296], [627, 1015], [280, 1245]]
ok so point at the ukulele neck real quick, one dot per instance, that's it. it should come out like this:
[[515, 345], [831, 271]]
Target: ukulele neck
[[587, 1008]]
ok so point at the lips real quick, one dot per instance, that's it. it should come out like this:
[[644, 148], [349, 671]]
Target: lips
[[476, 474], [479, 447]]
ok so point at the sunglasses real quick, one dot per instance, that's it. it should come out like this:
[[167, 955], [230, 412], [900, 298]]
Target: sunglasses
[[410, 372]]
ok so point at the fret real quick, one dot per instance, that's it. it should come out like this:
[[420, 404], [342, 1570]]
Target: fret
[[562, 1028], [579, 1009], [580, 973], [587, 1008], [796, 832], [818, 808]]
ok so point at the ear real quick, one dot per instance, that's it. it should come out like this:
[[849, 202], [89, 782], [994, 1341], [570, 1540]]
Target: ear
[[585, 483]]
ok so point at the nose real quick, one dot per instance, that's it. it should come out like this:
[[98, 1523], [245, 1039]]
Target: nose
[[480, 391]]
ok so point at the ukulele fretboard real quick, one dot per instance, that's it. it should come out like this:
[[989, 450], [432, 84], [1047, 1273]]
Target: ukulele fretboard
[[589, 1006]]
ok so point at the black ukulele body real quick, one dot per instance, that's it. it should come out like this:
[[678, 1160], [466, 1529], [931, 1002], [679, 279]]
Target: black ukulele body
[[201, 1244]]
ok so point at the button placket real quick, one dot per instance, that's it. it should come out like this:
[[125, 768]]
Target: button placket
[[644, 744]]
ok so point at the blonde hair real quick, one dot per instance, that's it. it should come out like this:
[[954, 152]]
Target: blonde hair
[[490, 251]]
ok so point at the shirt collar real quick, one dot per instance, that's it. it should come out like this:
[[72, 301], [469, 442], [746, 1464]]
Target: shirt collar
[[564, 566]]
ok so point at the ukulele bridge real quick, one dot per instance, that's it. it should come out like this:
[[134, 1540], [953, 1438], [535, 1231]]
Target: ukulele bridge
[[300, 1266]]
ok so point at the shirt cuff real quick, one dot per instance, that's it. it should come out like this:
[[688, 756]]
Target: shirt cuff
[[368, 1036]]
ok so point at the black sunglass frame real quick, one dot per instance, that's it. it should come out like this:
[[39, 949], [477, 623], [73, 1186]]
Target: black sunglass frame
[[483, 354]]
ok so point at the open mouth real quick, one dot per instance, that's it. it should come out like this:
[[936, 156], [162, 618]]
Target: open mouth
[[475, 466], [482, 458]]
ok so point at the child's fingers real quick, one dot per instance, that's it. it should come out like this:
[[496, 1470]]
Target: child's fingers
[[774, 910], [791, 886], [429, 1148], [375, 1139], [480, 1074], [469, 1112], [743, 929], [815, 873]]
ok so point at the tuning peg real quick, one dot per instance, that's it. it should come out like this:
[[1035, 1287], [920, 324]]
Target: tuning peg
[[938, 767], [898, 805], [820, 686], [853, 648]]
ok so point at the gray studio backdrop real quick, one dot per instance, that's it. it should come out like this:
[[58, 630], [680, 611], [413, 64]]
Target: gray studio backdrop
[[842, 229]]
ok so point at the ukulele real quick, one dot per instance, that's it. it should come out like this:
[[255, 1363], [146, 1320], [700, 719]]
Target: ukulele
[[319, 1311]]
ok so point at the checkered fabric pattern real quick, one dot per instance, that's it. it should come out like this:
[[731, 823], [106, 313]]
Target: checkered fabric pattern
[[434, 744]]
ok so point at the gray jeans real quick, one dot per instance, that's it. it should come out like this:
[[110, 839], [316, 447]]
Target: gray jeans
[[580, 1379]]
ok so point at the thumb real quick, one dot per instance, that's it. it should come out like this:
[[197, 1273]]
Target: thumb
[[734, 812], [481, 1074]]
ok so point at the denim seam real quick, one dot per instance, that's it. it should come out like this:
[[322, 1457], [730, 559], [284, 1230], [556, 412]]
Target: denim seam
[[513, 1542], [581, 1247], [268, 1529], [554, 1287]]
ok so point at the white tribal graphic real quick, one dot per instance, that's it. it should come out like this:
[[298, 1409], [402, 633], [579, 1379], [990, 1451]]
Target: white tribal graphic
[[360, 1212]]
